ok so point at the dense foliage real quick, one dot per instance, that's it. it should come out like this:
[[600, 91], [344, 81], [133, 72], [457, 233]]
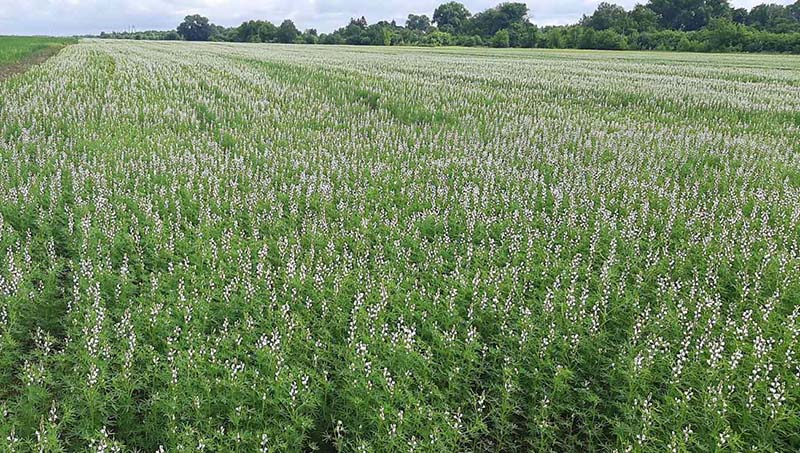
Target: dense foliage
[[683, 25], [195, 28], [146, 35], [226, 247]]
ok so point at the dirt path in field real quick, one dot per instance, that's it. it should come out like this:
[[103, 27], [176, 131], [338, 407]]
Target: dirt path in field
[[33, 59]]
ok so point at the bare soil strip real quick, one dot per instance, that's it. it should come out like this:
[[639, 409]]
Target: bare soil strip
[[26, 63]]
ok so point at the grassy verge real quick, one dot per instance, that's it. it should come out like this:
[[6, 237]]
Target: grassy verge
[[18, 53]]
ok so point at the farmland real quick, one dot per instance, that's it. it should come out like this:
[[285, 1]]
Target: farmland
[[16, 49], [232, 247]]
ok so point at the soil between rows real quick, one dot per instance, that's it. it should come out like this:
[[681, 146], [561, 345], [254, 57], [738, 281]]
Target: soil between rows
[[36, 58]]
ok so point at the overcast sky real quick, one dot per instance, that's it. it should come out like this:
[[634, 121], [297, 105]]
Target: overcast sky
[[68, 17]]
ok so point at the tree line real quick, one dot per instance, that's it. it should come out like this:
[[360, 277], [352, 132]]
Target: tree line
[[677, 25]]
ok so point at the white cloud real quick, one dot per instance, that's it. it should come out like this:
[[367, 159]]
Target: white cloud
[[66, 17]]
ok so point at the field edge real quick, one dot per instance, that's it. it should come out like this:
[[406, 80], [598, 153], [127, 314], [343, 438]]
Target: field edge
[[38, 57]]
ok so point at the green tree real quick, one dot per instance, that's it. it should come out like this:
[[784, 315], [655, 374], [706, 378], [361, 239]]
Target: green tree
[[794, 11], [725, 35], [502, 16], [310, 36], [255, 31], [501, 39], [437, 38], [452, 17], [467, 41], [689, 14], [739, 15], [587, 38], [609, 40], [643, 18], [195, 28], [418, 23], [523, 34], [553, 38], [607, 15], [354, 33], [267, 31], [772, 17], [379, 34], [220, 33], [287, 32]]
